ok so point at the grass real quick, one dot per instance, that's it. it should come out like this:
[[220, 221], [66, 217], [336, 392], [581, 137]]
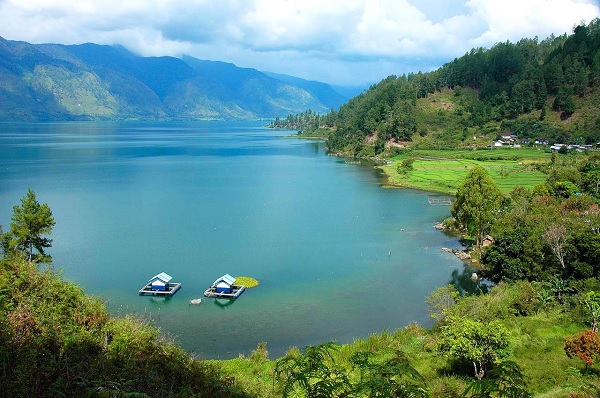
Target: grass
[[443, 171], [537, 343], [538, 346]]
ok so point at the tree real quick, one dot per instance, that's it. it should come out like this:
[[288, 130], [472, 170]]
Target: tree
[[470, 340], [30, 222], [506, 381], [441, 300], [556, 236], [584, 345], [505, 260], [478, 200], [591, 183], [564, 101], [591, 301], [520, 199]]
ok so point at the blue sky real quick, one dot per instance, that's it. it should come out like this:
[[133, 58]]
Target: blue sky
[[345, 42]]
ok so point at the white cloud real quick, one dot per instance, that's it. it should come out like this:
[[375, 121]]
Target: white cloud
[[342, 42], [517, 19]]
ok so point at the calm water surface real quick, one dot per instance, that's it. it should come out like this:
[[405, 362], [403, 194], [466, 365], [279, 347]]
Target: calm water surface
[[337, 256]]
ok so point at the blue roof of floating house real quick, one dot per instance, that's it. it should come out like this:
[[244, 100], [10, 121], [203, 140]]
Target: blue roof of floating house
[[230, 280], [163, 277]]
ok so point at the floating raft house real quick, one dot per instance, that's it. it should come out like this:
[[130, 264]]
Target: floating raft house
[[160, 285], [225, 287]]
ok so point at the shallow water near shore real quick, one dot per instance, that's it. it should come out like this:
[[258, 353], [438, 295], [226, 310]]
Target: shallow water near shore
[[337, 256]]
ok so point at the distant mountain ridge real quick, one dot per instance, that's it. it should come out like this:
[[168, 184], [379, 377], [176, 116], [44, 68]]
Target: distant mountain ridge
[[99, 82]]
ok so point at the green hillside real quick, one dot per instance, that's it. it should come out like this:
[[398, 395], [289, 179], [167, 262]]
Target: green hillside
[[547, 90], [93, 82]]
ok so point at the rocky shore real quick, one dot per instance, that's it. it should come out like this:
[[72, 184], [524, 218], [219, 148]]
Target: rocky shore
[[461, 254]]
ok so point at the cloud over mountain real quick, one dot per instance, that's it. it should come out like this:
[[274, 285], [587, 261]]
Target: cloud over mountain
[[354, 41]]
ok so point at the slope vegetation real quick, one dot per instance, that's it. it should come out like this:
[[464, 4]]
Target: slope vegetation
[[93, 82], [547, 90]]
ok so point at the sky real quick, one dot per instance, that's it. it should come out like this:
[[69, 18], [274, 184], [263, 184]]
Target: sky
[[341, 42]]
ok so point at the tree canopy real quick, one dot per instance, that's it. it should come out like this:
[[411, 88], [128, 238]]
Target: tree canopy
[[492, 88], [478, 200], [31, 222], [481, 344]]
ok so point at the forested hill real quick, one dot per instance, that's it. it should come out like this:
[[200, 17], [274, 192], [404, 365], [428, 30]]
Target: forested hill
[[548, 89], [93, 82]]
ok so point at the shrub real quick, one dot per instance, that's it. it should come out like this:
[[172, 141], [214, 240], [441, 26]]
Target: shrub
[[584, 345], [408, 164]]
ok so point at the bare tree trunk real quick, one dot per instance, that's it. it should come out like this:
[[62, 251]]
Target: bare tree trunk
[[556, 236], [478, 373]]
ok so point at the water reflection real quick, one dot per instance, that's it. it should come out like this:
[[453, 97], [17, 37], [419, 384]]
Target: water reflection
[[223, 302], [467, 284]]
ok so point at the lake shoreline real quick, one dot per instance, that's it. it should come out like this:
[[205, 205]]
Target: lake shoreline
[[199, 200]]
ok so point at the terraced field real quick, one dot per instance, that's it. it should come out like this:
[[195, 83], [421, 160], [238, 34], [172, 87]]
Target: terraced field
[[443, 171]]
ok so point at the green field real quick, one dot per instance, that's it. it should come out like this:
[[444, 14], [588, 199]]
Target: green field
[[443, 171]]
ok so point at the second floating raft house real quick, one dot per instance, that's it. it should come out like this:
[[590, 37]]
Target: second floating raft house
[[225, 287]]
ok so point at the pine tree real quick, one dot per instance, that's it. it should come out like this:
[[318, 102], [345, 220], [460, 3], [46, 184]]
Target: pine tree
[[30, 222]]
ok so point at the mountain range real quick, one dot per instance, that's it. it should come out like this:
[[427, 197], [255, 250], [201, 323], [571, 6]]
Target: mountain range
[[40, 82]]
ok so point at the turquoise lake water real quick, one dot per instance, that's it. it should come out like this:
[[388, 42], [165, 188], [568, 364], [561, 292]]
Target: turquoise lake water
[[337, 256]]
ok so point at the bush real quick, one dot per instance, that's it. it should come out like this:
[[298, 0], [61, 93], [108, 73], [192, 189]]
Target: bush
[[56, 341], [407, 164], [584, 345]]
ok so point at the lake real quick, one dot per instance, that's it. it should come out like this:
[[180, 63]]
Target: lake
[[337, 256]]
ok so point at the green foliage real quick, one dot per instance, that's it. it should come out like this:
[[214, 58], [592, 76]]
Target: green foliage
[[394, 377], [314, 372], [311, 373], [408, 164], [55, 341], [441, 300], [30, 223], [505, 88], [477, 203], [307, 120], [506, 380], [481, 344], [505, 258], [546, 236], [260, 354], [591, 301], [503, 302]]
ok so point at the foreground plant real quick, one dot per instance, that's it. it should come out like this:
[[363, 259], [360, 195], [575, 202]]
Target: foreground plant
[[505, 380], [394, 377], [481, 344], [311, 373]]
